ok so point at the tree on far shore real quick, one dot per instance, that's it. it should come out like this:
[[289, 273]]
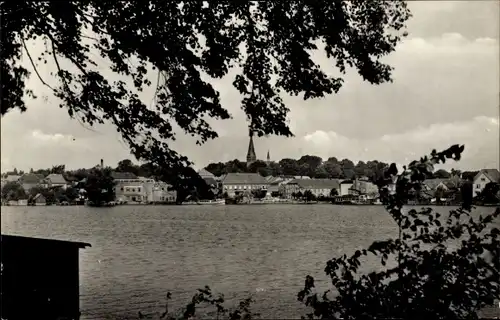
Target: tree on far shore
[[13, 191], [99, 187]]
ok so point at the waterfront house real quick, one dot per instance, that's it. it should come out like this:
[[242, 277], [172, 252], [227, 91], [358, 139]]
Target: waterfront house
[[206, 174], [55, 180], [210, 180], [365, 188], [274, 184], [30, 180], [12, 178], [162, 193], [318, 187], [482, 178], [286, 190], [235, 183], [432, 185], [345, 185], [130, 188], [40, 278]]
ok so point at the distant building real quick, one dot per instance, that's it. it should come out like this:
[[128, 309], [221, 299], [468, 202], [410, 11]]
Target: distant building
[[55, 180], [251, 156], [484, 177], [128, 187], [30, 180], [235, 183], [345, 185], [274, 184], [318, 187], [12, 178], [162, 193], [363, 188], [131, 188], [206, 174]]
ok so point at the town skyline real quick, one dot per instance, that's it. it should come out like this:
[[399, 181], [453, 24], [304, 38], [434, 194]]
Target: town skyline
[[432, 103]]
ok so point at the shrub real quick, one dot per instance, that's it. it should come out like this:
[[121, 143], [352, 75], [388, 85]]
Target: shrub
[[445, 268]]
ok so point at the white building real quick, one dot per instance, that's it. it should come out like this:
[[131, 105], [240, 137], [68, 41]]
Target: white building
[[235, 183], [345, 185], [162, 193], [130, 188], [484, 177]]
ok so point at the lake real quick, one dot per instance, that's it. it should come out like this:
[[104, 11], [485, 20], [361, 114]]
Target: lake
[[139, 253]]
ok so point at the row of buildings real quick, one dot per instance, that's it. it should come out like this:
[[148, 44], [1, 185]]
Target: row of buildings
[[285, 187], [128, 187], [131, 188], [134, 189]]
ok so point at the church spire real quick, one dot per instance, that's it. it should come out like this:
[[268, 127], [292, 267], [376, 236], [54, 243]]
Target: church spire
[[251, 157], [268, 157]]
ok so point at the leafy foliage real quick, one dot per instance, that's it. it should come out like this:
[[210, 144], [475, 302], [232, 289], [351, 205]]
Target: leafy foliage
[[204, 297], [99, 187], [445, 267], [259, 194], [270, 43], [312, 166], [13, 191]]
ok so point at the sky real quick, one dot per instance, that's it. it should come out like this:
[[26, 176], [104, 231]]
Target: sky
[[446, 91]]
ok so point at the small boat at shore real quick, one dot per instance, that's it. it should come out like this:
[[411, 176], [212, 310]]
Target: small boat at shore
[[206, 202]]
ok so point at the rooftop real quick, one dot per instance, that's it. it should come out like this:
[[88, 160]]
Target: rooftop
[[30, 178], [27, 240], [244, 178], [206, 174], [492, 174], [316, 183], [56, 178], [12, 178]]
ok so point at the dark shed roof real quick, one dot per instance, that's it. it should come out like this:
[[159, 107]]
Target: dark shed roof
[[20, 239]]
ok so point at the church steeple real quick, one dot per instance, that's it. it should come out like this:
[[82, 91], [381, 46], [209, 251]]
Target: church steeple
[[251, 157], [268, 159]]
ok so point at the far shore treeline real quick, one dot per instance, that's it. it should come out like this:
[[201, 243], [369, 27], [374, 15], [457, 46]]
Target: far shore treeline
[[308, 165]]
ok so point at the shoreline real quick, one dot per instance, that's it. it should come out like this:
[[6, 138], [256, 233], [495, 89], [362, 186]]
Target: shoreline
[[250, 204]]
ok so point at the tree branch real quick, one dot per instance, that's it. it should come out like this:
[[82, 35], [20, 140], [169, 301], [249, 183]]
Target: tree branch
[[34, 66]]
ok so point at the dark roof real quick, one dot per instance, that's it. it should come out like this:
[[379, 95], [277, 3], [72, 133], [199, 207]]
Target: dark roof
[[30, 178], [210, 181], [12, 178], [346, 181], [204, 173], [244, 178], [56, 178], [433, 183], [492, 174], [316, 183], [123, 175], [19, 239]]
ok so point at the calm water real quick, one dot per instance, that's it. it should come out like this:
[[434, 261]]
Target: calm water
[[139, 253]]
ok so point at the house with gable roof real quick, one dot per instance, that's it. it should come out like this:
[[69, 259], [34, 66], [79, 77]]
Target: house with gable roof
[[55, 180], [30, 180], [235, 183], [129, 187], [482, 178], [318, 187], [210, 180]]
